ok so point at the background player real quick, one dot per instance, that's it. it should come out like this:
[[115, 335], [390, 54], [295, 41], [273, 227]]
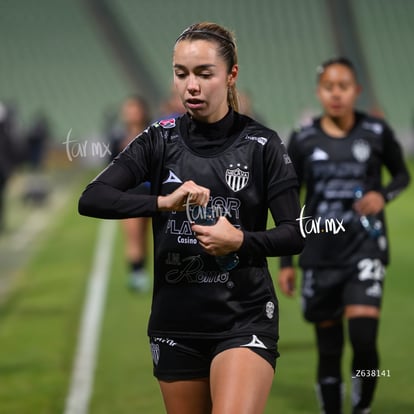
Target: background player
[[213, 330], [135, 117], [339, 159]]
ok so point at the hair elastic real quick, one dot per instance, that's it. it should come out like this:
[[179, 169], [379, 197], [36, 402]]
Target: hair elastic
[[206, 32]]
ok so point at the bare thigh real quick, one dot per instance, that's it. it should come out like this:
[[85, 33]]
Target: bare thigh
[[240, 382], [362, 311], [187, 397]]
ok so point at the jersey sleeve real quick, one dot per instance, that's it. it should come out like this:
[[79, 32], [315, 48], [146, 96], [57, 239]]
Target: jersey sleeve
[[283, 201], [394, 162], [285, 238], [296, 158], [280, 172], [107, 195]]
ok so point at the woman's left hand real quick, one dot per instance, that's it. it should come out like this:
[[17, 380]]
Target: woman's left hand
[[371, 203], [220, 239]]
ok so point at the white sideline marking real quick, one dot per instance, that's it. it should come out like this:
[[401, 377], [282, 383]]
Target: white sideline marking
[[77, 401]]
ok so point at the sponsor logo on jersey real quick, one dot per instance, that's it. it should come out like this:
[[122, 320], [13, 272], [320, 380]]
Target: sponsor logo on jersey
[[287, 159], [172, 178], [192, 271], [255, 343], [319, 155], [260, 140], [361, 150], [167, 123], [375, 127], [236, 178], [173, 259]]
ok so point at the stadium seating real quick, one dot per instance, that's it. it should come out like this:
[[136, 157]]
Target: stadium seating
[[53, 60], [386, 33], [280, 44]]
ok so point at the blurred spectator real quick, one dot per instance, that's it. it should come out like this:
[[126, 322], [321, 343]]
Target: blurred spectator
[[7, 154], [37, 139]]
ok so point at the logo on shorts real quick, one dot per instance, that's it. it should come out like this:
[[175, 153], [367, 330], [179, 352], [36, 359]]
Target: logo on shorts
[[270, 309], [375, 290], [237, 178], [255, 343], [155, 351], [308, 284]]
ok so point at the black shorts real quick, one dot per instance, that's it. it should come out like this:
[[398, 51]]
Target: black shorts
[[326, 292], [186, 358]]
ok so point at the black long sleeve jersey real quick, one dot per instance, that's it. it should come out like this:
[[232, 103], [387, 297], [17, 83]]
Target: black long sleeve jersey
[[332, 171], [248, 171]]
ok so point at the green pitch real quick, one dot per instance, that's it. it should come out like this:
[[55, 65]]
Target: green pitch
[[39, 324]]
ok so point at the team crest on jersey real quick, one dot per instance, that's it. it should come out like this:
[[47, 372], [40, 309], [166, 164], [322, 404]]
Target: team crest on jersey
[[167, 123], [361, 150], [237, 177]]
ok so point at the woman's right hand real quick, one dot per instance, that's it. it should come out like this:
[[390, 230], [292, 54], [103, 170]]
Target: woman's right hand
[[287, 280], [176, 201]]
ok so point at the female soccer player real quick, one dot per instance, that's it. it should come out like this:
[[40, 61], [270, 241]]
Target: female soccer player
[[339, 159], [135, 116], [214, 325]]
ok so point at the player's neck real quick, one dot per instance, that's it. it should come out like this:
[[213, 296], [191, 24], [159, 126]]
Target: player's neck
[[338, 127]]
